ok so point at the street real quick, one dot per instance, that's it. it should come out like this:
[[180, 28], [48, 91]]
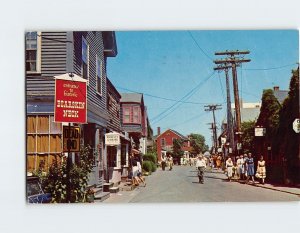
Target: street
[[181, 185]]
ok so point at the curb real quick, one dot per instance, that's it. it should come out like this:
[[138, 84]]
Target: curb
[[279, 190]]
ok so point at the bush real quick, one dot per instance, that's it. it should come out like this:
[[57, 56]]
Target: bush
[[153, 167], [150, 157], [147, 166]]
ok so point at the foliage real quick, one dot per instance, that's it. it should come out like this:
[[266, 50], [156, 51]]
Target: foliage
[[56, 180], [177, 145], [150, 157], [269, 113], [198, 144], [248, 128], [286, 141], [153, 166], [147, 166]]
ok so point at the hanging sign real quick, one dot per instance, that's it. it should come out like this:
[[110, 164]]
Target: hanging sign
[[70, 99], [112, 139], [259, 132], [71, 139]]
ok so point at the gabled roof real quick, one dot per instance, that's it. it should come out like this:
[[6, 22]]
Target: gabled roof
[[281, 95], [175, 132], [131, 97]]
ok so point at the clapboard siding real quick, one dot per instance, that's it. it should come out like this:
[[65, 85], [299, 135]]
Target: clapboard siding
[[54, 53], [54, 59], [113, 107], [95, 42]]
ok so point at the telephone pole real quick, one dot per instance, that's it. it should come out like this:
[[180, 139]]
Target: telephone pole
[[230, 135], [213, 108], [234, 59], [212, 133]]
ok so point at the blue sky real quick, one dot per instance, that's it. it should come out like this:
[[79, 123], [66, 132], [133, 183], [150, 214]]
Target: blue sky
[[170, 64]]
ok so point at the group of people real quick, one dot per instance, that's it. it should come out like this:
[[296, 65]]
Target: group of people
[[167, 161], [136, 174], [243, 168]]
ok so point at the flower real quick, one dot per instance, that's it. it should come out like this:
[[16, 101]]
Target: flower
[[90, 191]]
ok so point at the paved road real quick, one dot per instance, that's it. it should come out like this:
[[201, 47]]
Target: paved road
[[181, 185]]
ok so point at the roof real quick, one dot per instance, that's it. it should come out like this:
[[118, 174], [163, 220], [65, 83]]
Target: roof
[[249, 114], [280, 95], [131, 97], [175, 132]]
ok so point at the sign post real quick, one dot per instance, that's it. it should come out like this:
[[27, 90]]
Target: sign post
[[70, 106]]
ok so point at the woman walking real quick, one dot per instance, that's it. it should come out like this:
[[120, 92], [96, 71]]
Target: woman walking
[[229, 166], [261, 170], [250, 168]]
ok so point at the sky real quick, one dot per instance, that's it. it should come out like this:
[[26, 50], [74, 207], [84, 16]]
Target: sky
[[179, 64]]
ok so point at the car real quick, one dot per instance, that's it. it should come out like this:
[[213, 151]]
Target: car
[[35, 193]]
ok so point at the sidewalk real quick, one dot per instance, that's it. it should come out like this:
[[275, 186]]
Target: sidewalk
[[276, 187]]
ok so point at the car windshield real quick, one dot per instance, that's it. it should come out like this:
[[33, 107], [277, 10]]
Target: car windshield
[[33, 188]]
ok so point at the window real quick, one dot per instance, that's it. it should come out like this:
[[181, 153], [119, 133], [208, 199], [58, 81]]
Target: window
[[126, 115], [85, 59], [44, 142], [163, 142], [136, 114], [99, 65], [112, 156], [32, 51]]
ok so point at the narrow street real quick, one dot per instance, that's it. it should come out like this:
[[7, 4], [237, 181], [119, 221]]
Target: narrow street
[[181, 185]]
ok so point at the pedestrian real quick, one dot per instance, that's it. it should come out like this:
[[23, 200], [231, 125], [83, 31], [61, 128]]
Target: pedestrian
[[170, 160], [163, 163], [211, 162], [261, 170], [140, 177], [245, 165], [240, 167], [229, 167], [134, 170], [219, 161], [250, 168], [200, 166]]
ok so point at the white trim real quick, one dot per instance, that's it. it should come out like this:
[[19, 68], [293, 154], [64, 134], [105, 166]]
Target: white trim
[[100, 75]]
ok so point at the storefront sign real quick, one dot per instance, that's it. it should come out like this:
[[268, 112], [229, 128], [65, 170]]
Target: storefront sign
[[112, 139], [70, 99], [259, 132], [71, 138]]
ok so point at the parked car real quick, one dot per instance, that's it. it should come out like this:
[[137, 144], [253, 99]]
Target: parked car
[[35, 193]]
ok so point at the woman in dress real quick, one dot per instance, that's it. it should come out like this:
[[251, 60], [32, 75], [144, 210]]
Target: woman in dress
[[261, 170], [229, 166], [250, 168]]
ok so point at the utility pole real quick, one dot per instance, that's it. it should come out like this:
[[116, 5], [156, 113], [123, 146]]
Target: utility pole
[[234, 59], [213, 108], [212, 133], [230, 135]]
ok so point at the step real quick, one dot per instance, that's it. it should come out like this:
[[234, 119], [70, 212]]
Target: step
[[102, 196], [107, 186], [114, 189], [97, 190]]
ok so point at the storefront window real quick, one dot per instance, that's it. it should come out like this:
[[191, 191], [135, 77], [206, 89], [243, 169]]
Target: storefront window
[[44, 142]]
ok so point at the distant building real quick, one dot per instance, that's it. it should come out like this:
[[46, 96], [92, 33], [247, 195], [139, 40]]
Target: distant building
[[135, 120], [164, 143]]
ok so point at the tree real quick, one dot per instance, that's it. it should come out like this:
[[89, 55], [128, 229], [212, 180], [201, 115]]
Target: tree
[[198, 144], [248, 128], [177, 145], [269, 113], [286, 141]]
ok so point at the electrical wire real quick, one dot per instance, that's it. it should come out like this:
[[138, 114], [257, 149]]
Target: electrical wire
[[186, 121], [272, 68], [159, 97], [199, 46], [221, 87], [160, 116]]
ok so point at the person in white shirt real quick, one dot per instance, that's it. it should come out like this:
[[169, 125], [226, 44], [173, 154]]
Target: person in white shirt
[[200, 166]]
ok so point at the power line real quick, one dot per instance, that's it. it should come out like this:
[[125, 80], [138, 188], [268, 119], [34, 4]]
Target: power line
[[188, 95], [199, 46], [272, 68], [221, 86], [158, 97]]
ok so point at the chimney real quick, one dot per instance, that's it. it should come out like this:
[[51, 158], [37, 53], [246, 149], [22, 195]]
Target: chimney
[[158, 130], [276, 88]]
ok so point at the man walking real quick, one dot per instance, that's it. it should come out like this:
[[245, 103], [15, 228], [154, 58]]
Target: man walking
[[200, 166]]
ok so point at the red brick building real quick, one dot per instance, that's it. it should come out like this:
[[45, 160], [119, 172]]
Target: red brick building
[[164, 143]]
